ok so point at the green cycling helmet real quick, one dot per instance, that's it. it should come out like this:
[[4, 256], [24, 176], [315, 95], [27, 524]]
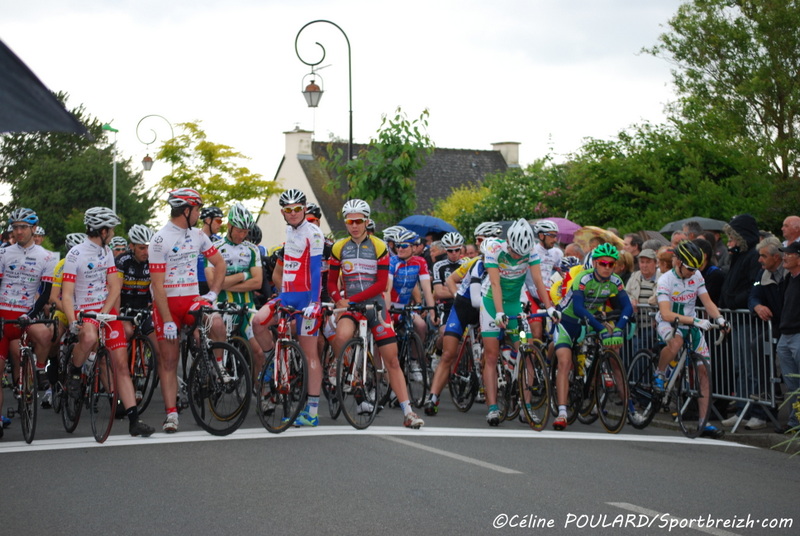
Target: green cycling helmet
[[240, 217], [605, 250]]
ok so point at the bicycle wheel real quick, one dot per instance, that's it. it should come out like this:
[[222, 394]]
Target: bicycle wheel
[[244, 348], [27, 400], [574, 392], [60, 385], [145, 372], [644, 403], [463, 382], [103, 396], [71, 407], [611, 391], [283, 390], [329, 380], [219, 403], [534, 389], [587, 412], [416, 370], [357, 384], [689, 393]]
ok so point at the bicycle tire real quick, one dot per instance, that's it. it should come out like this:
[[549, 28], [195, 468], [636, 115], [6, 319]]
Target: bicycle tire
[[244, 348], [357, 383], [145, 369], [103, 396], [574, 391], [329, 380], [503, 380], [611, 391], [463, 382], [417, 385], [28, 399], [534, 389], [72, 407], [688, 391], [644, 402], [283, 393], [511, 395], [59, 387], [219, 408]]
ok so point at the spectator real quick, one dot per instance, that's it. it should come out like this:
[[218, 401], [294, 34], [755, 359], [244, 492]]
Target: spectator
[[665, 258], [624, 266], [791, 229], [633, 245], [677, 236], [788, 349], [640, 288], [652, 243], [574, 250], [710, 271], [471, 251], [692, 229]]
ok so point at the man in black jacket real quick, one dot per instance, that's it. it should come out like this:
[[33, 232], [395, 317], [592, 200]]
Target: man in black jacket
[[789, 344]]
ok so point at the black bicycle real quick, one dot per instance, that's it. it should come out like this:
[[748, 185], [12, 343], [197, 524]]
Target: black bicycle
[[410, 353]]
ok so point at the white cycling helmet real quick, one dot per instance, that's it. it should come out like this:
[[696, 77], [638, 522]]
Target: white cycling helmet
[[390, 233], [184, 197], [74, 239], [39, 231], [239, 216], [118, 242], [488, 228], [97, 218], [356, 206], [140, 234], [520, 237], [452, 240], [545, 226], [292, 196], [23, 214]]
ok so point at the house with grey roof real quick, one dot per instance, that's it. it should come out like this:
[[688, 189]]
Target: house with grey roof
[[303, 167]]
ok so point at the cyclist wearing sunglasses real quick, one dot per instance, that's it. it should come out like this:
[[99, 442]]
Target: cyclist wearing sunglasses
[[677, 293], [590, 291], [363, 262]]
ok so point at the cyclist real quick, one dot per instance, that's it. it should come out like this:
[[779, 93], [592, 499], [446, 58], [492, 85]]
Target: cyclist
[[507, 264], [90, 283], [211, 218], [453, 244], [134, 269], [301, 276], [677, 293], [243, 274], [465, 311], [588, 293], [406, 271], [118, 245], [363, 262], [173, 254], [38, 235], [24, 267], [550, 256]]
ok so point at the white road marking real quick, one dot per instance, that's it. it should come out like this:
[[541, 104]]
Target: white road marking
[[454, 456], [665, 516], [124, 440]]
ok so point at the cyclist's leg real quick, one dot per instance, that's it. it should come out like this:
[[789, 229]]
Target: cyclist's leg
[[673, 345], [442, 374], [41, 336]]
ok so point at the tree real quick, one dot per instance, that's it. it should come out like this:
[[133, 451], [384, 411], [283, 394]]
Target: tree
[[211, 169], [738, 75], [60, 175], [384, 172]]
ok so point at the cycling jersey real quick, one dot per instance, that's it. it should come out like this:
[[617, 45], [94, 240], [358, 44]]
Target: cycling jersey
[[550, 258], [405, 274], [174, 251], [238, 258], [22, 270], [88, 266], [442, 270], [588, 295], [681, 293], [512, 271], [302, 260], [364, 268], [135, 293]]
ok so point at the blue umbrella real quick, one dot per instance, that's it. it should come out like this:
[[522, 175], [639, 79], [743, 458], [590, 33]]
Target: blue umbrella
[[422, 225]]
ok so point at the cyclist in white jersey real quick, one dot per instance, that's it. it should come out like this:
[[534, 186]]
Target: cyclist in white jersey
[[91, 283], [24, 266], [173, 255], [550, 256]]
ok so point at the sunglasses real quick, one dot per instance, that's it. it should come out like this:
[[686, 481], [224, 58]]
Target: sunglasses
[[20, 227], [456, 250], [217, 220], [551, 235], [689, 268], [403, 246], [289, 210], [355, 221], [606, 264]]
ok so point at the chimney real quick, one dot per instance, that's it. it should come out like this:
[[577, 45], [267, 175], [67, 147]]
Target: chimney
[[510, 152], [298, 142]]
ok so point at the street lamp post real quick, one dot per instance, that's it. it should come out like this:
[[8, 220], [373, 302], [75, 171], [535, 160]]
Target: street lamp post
[[147, 161], [313, 93], [109, 128]]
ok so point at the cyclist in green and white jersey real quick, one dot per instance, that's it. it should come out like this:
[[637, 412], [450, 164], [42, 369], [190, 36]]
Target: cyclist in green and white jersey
[[589, 292], [506, 263]]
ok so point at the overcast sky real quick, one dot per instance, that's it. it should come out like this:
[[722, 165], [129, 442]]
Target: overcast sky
[[545, 73]]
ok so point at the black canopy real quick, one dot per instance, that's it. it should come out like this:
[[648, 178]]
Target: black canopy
[[26, 105]]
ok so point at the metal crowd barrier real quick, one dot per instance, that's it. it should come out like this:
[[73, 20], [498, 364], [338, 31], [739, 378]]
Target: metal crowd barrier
[[743, 367]]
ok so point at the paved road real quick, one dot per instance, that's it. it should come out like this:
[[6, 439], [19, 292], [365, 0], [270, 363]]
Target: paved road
[[455, 476]]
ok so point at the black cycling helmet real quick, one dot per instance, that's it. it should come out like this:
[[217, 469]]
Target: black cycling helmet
[[690, 254], [254, 235], [314, 210], [211, 212]]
